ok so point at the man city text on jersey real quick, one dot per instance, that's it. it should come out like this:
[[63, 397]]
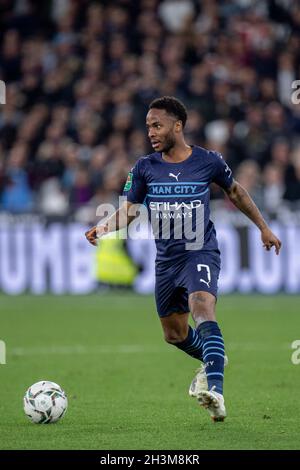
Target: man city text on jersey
[[177, 199]]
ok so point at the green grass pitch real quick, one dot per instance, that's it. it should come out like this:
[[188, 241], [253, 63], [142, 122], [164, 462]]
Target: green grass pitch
[[127, 389]]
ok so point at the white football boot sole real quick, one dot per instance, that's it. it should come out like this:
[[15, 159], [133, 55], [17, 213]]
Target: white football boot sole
[[214, 403]]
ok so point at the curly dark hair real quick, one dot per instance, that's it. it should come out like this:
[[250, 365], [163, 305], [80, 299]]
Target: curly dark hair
[[172, 106]]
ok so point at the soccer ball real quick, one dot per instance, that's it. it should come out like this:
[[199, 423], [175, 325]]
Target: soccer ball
[[45, 402]]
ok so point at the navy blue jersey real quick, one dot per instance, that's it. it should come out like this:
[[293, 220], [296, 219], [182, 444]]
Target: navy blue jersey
[[177, 198]]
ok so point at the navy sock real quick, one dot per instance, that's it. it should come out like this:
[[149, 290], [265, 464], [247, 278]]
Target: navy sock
[[213, 354], [192, 344]]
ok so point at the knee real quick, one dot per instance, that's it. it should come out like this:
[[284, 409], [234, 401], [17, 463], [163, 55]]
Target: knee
[[202, 307], [175, 336]]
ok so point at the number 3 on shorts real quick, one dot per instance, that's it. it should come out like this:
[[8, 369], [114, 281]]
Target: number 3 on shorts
[[205, 274]]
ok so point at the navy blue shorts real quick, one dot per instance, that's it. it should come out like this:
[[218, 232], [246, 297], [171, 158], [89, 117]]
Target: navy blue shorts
[[198, 271]]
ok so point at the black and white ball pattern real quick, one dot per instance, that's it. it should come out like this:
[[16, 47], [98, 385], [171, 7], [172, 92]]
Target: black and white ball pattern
[[45, 402]]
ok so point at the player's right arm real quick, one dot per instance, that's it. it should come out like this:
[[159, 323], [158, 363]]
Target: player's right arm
[[118, 220], [135, 190]]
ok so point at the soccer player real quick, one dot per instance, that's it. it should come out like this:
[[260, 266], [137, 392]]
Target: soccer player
[[173, 183]]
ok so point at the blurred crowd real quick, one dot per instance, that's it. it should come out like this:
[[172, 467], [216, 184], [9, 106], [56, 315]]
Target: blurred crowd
[[80, 75]]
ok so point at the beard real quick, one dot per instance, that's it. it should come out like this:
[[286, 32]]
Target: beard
[[168, 143]]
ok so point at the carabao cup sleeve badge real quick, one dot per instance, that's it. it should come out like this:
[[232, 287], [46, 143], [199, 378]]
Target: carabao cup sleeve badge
[[128, 183]]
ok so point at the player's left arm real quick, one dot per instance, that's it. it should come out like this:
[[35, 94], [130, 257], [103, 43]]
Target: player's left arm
[[240, 197]]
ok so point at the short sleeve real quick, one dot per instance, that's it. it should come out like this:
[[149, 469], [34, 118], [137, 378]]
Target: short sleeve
[[135, 188], [222, 173]]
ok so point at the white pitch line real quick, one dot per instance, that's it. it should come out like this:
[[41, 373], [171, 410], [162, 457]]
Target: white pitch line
[[80, 349], [131, 349], [257, 346]]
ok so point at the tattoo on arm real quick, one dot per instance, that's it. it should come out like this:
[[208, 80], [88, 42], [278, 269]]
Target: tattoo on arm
[[240, 197]]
